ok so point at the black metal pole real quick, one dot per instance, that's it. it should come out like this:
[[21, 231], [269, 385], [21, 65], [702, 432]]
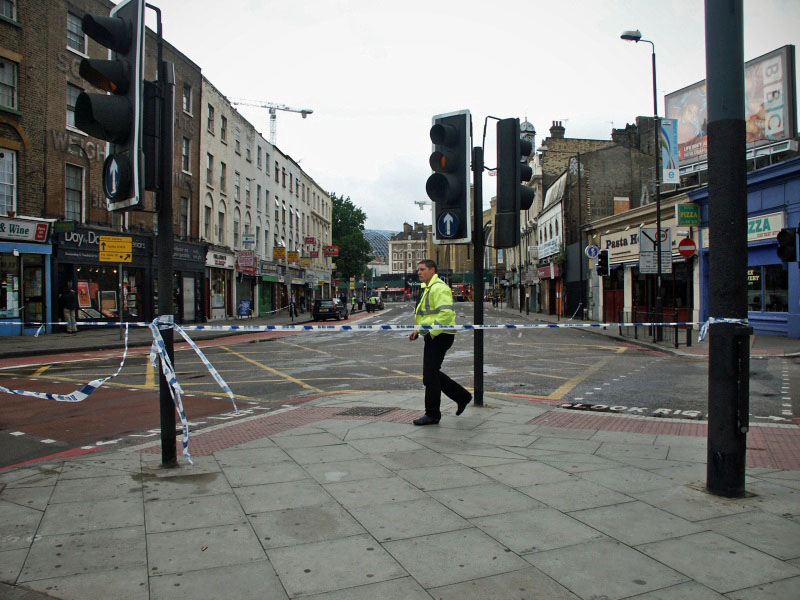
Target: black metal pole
[[166, 80], [657, 151], [477, 270], [729, 354], [580, 240]]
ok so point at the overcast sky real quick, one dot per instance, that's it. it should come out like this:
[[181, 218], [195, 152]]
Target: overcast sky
[[374, 72]]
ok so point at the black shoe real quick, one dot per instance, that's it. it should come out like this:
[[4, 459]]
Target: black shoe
[[426, 420], [463, 405]]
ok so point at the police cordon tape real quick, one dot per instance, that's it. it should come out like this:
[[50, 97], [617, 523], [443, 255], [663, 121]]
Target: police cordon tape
[[158, 349]]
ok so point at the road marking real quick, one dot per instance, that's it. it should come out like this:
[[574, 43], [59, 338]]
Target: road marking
[[304, 347], [40, 370], [275, 371], [48, 441], [568, 386], [17, 433], [149, 376]]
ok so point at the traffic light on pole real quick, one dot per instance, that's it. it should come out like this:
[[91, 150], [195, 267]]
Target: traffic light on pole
[[448, 186], [117, 115], [603, 266], [512, 196], [787, 244]]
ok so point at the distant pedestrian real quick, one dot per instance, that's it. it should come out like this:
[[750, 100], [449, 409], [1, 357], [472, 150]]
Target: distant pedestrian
[[69, 305], [292, 307], [353, 304], [436, 308]]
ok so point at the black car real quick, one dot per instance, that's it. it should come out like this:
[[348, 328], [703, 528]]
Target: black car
[[374, 303], [332, 308]]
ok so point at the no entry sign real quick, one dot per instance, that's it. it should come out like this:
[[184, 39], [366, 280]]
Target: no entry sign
[[687, 248]]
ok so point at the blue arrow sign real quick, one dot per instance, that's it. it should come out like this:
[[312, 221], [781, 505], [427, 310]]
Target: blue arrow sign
[[447, 224]]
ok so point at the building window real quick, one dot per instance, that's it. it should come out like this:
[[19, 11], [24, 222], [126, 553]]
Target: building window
[[247, 191], [210, 169], [221, 225], [8, 83], [184, 223], [258, 156], [185, 155], [210, 124], [8, 9], [223, 172], [187, 98], [207, 223], [266, 162], [75, 38], [237, 184], [283, 174], [768, 289], [74, 193], [223, 128], [237, 217], [247, 153], [296, 187], [276, 172], [237, 140], [72, 97], [8, 181], [258, 197]]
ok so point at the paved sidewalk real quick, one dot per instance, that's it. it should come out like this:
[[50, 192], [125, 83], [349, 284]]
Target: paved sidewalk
[[507, 501]]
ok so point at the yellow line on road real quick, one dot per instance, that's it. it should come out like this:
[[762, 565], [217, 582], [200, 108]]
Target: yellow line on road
[[149, 376], [400, 372], [40, 370], [304, 347], [568, 386], [271, 370]]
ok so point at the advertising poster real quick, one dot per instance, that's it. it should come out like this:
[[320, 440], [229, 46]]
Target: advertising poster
[[669, 151], [84, 300]]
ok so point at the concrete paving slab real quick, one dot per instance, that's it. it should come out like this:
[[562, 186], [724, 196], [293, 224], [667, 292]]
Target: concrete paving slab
[[453, 557], [304, 525], [604, 569], [11, 562], [307, 441], [565, 445], [569, 434], [683, 591], [769, 533], [250, 581], [235, 457], [87, 470], [481, 500], [536, 530], [84, 552], [445, 476], [446, 446], [185, 484], [472, 461], [574, 494], [73, 517], [404, 588], [501, 438], [192, 513], [30, 497], [490, 425], [203, 548], [279, 496], [400, 520], [264, 473], [40, 475], [308, 456], [578, 463], [123, 583], [718, 562], [264, 442], [635, 523], [384, 445], [348, 470], [380, 490], [523, 474], [314, 429], [18, 525], [617, 451], [340, 427], [687, 441], [376, 429], [777, 590], [628, 480], [694, 504], [97, 488], [624, 437], [776, 497], [684, 473], [411, 459], [525, 584], [333, 565]]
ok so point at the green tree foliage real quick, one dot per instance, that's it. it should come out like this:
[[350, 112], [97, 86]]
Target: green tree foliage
[[348, 233]]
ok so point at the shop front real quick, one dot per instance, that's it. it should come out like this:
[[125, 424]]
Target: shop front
[[246, 283], [219, 284], [550, 289], [107, 289], [267, 282], [188, 264], [26, 292]]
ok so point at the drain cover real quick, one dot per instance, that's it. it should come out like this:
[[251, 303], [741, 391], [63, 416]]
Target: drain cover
[[366, 411]]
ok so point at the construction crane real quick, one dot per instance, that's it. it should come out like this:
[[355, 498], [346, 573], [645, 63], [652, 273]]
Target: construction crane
[[273, 109]]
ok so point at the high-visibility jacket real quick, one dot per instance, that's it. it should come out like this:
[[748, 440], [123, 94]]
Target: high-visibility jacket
[[435, 306], [372, 300]]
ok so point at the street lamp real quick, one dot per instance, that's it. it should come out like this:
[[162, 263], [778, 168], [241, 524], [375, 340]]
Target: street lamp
[[636, 36]]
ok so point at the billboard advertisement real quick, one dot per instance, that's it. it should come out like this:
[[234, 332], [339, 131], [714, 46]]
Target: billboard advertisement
[[669, 151], [770, 106]]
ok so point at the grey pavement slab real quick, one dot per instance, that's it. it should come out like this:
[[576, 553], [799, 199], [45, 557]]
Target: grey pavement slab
[[775, 497], [18, 525], [307, 441], [333, 565], [683, 591], [482, 500], [304, 525], [471, 460], [279, 496], [718, 562], [73, 517], [384, 445], [452, 557], [624, 437], [411, 459], [785, 589], [264, 473], [604, 569], [501, 438], [769, 533], [204, 548], [124, 583], [565, 445], [362, 492], [348, 470], [445, 476], [525, 584], [376, 430], [628, 480], [617, 451], [249, 581], [574, 494], [399, 520], [73, 553], [490, 425], [693, 504], [11, 562], [570, 434], [40, 475], [30, 497], [192, 513], [536, 530], [97, 488], [234, 457], [338, 427], [322, 454], [688, 453], [185, 484], [404, 588], [635, 523], [578, 463], [522, 474]]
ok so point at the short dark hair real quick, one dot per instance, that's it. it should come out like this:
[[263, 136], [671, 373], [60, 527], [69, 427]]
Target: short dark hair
[[428, 263]]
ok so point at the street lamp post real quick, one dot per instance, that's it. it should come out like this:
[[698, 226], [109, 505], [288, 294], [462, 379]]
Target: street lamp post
[[636, 36]]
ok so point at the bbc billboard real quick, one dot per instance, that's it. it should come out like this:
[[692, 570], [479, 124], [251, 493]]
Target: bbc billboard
[[770, 106]]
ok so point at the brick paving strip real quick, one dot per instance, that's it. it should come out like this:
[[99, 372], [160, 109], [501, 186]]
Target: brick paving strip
[[770, 446]]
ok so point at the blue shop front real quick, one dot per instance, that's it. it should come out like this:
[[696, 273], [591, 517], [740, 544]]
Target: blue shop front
[[773, 287]]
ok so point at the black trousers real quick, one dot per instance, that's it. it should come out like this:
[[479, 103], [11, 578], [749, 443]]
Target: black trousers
[[434, 380]]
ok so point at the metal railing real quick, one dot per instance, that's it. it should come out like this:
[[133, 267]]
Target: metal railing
[[675, 334]]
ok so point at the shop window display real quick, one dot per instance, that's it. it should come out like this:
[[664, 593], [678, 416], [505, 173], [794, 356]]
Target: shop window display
[[767, 289], [99, 293], [9, 286]]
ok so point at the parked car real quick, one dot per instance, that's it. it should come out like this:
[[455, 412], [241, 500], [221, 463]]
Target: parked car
[[332, 308], [374, 303]]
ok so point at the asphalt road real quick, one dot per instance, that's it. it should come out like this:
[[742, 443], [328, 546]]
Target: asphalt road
[[558, 366]]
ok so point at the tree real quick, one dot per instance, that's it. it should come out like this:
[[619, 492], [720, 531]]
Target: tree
[[347, 232]]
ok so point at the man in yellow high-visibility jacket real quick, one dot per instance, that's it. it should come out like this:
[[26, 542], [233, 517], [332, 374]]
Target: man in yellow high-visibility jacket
[[436, 308]]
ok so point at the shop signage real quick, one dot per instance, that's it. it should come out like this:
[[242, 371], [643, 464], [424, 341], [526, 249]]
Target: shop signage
[[219, 260], [310, 240], [548, 248], [305, 261], [188, 252], [314, 254], [648, 254], [764, 227], [688, 214], [246, 262], [22, 230], [330, 250], [63, 226], [278, 253], [548, 271], [293, 255], [248, 238]]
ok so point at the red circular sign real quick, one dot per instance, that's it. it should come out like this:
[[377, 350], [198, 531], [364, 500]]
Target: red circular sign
[[687, 248]]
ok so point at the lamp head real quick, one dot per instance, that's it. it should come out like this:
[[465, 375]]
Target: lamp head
[[631, 35]]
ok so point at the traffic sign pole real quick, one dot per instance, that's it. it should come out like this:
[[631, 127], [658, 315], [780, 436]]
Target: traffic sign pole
[[477, 273]]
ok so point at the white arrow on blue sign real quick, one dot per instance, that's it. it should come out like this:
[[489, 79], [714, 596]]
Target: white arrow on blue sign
[[447, 225]]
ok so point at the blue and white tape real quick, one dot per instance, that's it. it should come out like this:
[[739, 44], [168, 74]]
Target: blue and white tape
[[712, 320]]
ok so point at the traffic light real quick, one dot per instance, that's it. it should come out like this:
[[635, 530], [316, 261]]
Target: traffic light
[[512, 196], [603, 267], [117, 115], [448, 186], [787, 244]]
